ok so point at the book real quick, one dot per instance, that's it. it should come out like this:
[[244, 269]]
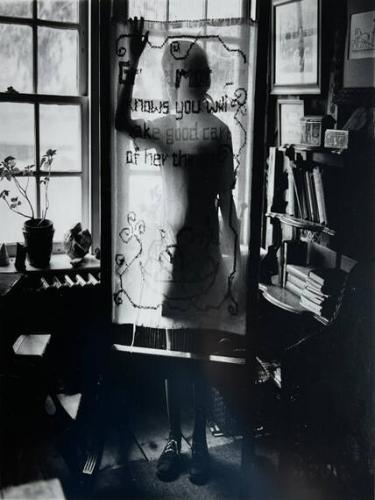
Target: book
[[319, 190], [31, 345], [302, 188], [296, 280], [293, 288], [321, 290], [314, 198], [308, 185], [328, 277], [301, 272], [298, 192], [322, 310], [316, 298]]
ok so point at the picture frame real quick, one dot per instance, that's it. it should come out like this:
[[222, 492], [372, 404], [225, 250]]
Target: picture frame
[[289, 114], [296, 47], [359, 62]]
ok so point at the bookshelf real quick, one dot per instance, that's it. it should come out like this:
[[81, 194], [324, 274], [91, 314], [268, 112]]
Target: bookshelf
[[302, 220], [300, 223], [322, 156]]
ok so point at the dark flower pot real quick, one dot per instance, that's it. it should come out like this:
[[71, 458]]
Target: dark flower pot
[[38, 236]]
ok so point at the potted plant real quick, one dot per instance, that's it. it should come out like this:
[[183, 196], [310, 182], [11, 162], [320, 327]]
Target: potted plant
[[38, 231]]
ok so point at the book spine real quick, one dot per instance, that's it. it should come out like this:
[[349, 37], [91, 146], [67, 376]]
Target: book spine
[[271, 178], [284, 253], [315, 308], [318, 181], [315, 288], [314, 198], [300, 272], [314, 297], [297, 191], [296, 281], [303, 194], [317, 280], [309, 195], [293, 288]]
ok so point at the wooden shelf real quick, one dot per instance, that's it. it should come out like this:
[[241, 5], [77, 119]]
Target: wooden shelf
[[301, 223], [323, 156]]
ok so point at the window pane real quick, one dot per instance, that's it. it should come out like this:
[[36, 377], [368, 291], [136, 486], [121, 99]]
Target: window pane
[[60, 128], [10, 222], [65, 203], [58, 10], [223, 9], [183, 9], [152, 71], [16, 58], [149, 9], [225, 66], [58, 61], [17, 132], [15, 8]]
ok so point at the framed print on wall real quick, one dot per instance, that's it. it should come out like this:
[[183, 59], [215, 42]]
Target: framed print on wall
[[289, 112], [359, 64], [296, 46]]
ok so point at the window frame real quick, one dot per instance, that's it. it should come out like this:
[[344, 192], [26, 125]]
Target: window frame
[[38, 99]]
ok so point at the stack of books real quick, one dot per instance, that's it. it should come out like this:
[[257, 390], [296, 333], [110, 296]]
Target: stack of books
[[323, 292], [296, 278], [319, 290]]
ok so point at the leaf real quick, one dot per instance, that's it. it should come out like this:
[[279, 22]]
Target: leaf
[[13, 205], [9, 159], [14, 199], [42, 160]]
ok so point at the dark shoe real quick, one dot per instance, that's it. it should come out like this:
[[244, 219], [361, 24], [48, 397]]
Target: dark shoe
[[168, 466], [200, 464]]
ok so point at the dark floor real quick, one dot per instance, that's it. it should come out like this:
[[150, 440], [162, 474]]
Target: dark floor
[[135, 433]]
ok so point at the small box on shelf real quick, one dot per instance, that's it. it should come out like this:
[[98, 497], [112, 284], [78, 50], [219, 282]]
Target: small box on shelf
[[313, 129], [336, 139]]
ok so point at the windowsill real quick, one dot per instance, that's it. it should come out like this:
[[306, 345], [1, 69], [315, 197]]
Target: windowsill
[[59, 262]]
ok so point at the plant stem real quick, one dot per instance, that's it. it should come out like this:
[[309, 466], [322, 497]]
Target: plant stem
[[16, 211], [24, 194], [44, 215]]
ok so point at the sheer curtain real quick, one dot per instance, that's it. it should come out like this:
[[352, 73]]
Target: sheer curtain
[[192, 276]]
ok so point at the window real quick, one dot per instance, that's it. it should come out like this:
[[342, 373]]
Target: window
[[143, 178], [44, 104], [174, 230]]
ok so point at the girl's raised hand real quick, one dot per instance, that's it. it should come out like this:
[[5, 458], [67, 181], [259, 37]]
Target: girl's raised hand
[[136, 43]]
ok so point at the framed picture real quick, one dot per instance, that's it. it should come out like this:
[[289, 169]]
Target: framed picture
[[289, 112], [296, 47], [359, 64]]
